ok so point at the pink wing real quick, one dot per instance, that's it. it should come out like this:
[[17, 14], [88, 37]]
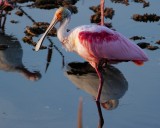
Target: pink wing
[[105, 43]]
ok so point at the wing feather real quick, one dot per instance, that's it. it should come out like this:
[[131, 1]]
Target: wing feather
[[102, 42]]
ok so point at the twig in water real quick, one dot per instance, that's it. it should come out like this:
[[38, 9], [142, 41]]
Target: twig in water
[[49, 56], [79, 118], [63, 62], [27, 15]]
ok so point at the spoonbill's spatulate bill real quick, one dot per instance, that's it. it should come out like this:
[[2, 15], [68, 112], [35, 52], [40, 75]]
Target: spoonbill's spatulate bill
[[96, 44]]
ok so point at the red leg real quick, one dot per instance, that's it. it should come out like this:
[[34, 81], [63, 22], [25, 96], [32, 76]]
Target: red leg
[[100, 84], [102, 12], [101, 120]]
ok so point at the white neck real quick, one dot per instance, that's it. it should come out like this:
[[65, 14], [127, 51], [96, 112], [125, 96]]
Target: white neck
[[62, 30]]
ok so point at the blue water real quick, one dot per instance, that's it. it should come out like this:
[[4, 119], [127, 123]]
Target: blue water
[[52, 101]]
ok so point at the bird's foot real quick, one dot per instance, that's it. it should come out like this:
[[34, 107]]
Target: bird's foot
[[102, 64]]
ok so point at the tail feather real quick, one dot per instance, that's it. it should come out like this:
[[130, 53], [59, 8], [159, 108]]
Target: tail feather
[[138, 62]]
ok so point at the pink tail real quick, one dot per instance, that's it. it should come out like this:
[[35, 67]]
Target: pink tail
[[138, 62]]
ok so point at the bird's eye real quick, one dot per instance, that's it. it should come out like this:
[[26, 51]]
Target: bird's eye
[[59, 15]]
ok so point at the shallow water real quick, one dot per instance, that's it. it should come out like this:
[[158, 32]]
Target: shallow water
[[52, 101]]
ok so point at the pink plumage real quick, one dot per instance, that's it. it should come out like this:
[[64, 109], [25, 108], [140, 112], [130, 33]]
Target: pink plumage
[[5, 5], [94, 43]]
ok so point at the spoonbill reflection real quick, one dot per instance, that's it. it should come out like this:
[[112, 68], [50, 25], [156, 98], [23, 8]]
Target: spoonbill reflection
[[85, 78], [11, 54], [96, 44]]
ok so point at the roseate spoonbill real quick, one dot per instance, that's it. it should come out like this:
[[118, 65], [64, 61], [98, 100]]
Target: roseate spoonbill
[[96, 44], [5, 5]]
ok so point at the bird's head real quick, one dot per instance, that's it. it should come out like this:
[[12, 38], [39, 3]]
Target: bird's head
[[61, 14]]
